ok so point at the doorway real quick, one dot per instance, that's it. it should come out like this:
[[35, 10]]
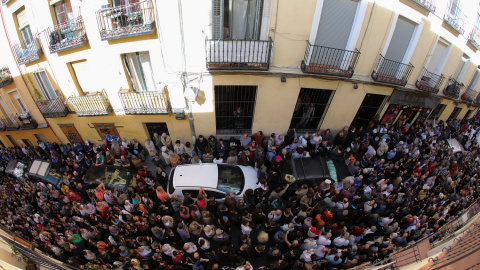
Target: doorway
[[105, 129], [468, 114], [27, 142], [371, 105], [455, 113], [41, 138], [71, 133], [310, 109], [157, 127], [10, 138]]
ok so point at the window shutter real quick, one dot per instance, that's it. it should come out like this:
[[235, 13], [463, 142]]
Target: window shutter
[[22, 19], [437, 57], [46, 87], [474, 81], [336, 23], [402, 35], [217, 19], [147, 71]]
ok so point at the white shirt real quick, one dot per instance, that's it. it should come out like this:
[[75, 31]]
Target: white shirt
[[191, 248], [340, 242], [322, 240], [246, 229]]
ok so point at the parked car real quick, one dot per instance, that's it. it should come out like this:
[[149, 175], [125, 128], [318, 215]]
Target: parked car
[[455, 145], [305, 170], [215, 179]]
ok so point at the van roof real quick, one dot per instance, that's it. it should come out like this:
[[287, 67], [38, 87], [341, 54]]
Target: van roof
[[199, 175]]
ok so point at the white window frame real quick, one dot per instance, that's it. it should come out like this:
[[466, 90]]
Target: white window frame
[[354, 33], [23, 105], [462, 72], [41, 84], [443, 62], [413, 41], [5, 108]]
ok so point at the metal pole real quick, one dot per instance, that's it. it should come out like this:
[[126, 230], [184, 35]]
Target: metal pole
[[190, 120]]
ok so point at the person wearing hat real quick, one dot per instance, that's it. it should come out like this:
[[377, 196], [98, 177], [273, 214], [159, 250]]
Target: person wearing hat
[[326, 185]]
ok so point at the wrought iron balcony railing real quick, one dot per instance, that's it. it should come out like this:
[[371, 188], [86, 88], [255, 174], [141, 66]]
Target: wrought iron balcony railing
[[469, 95], [474, 38], [392, 72], [26, 121], [430, 5], [9, 123], [455, 17], [126, 21], [53, 108], [238, 54], [329, 61], [27, 53], [91, 105], [66, 36], [429, 81], [151, 102], [5, 77], [453, 88]]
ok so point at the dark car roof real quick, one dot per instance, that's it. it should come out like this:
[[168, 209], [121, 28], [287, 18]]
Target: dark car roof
[[308, 169]]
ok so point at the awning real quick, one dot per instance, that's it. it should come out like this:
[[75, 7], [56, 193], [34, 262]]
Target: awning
[[414, 99]]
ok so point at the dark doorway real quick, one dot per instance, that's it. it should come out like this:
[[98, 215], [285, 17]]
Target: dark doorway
[[12, 140], [468, 114], [27, 142], [41, 138], [371, 106], [455, 113], [310, 109], [437, 112], [156, 127]]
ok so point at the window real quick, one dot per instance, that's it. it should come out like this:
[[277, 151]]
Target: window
[[437, 112], [237, 19], [230, 178], [401, 39], [453, 9], [18, 102], [370, 107], [215, 194], [139, 69], [132, 7], [3, 106], [310, 109], [63, 11], [24, 27], [455, 113], [473, 83], [234, 108], [461, 68], [336, 23], [468, 114], [192, 192], [438, 57], [44, 84], [83, 75]]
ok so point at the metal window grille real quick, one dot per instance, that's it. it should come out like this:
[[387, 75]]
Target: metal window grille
[[234, 108], [455, 113], [437, 112], [302, 118], [371, 106]]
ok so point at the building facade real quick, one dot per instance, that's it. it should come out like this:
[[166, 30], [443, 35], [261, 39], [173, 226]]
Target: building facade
[[81, 70]]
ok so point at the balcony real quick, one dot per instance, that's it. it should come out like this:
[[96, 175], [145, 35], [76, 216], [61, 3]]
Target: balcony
[[92, 104], [53, 108], [151, 102], [469, 95], [429, 5], [430, 82], [392, 72], [26, 121], [453, 88], [126, 21], [28, 53], [455, 19], [66, 36], [238, 54], [9, 123], [474, 38], [329, 61], [5, 77]]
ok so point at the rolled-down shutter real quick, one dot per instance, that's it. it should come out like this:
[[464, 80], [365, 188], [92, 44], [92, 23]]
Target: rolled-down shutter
[[402, 35], [217, 19], [437, 58]]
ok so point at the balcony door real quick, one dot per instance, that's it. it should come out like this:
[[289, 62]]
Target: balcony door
[[239, 19], [63, 10], [43, 82], [139, 70], [438, 58], [18, 102], [24, 27], [335, 28]]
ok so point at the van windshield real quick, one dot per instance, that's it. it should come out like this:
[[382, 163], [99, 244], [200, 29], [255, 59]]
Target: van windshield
[[230, 179]]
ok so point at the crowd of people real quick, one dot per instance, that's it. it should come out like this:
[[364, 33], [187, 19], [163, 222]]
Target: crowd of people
[[406, 182]]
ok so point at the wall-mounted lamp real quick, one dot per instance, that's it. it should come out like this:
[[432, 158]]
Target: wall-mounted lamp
[[283, 79], [355, 86]]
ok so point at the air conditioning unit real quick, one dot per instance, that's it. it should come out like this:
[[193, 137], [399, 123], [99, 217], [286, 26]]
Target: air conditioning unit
[[179, 114]]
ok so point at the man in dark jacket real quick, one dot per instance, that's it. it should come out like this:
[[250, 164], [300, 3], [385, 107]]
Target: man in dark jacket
[[201, 146]]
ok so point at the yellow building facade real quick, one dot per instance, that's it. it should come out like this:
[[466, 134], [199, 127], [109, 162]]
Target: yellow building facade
[[129, 68]]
